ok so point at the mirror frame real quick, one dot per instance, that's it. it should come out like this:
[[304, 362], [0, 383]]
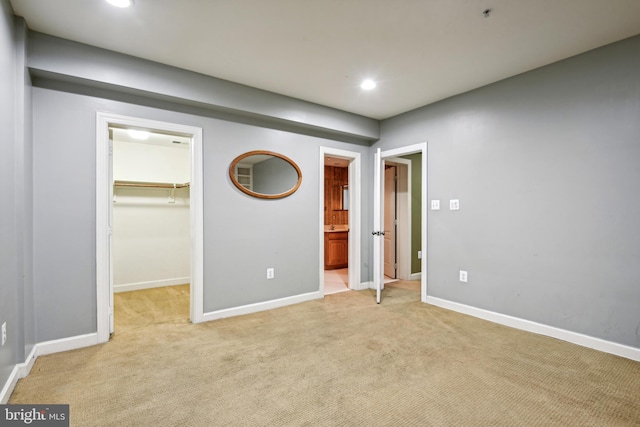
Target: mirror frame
[[245, 190]]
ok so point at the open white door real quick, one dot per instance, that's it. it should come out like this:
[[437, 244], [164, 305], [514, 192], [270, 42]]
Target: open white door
[[378, 232], [380, 160]]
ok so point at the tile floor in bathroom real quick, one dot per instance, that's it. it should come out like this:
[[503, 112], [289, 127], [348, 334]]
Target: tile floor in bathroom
[[338, 281]]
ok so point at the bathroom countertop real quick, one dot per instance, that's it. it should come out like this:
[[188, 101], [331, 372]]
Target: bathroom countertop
[[337, 229]]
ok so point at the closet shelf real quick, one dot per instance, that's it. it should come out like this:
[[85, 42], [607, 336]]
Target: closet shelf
[[118, 183]]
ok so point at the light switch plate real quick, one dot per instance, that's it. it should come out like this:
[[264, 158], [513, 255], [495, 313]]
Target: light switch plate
[[435, 205], [454, 204], [271, 273]]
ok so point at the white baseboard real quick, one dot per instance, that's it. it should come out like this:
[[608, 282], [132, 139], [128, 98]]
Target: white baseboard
[[261, 306], [65, 344], [415, 276], [21, 370], [622, 350], [360, 287], [126, 287]]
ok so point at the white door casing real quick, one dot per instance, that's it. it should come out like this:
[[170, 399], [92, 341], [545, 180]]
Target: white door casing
[[104, 200], [390, 221], [110, 231], [378, 182], [355, 188]]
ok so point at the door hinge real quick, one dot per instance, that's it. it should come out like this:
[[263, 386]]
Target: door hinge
[[395, 222]]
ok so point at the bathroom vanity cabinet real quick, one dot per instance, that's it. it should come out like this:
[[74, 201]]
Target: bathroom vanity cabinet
[[336, 249]]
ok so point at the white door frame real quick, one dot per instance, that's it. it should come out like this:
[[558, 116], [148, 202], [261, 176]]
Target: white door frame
[[403, 248], [397, 152], [104, 188], [355, 188]]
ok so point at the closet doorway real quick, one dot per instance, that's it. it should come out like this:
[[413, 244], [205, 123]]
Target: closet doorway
[[149, 221], [151, 241]]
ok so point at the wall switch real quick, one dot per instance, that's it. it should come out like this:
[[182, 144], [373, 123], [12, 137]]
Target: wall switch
[[435, 205], [463, 276], [271, 273], [4, 333], [454, 204], [419, 254]]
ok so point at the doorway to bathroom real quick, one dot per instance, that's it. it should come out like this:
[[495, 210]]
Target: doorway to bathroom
[[339, 221]]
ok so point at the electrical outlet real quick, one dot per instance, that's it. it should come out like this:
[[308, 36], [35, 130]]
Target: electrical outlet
[[419, 254], [435, 205], [271, 273], [463, 276], [4, 333], [454, 204]]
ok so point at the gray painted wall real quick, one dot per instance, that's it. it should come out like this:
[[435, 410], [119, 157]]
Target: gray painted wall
[[24, 194], [243, 235], [16, 291], [8, 236], [56, 58], [545, 165]]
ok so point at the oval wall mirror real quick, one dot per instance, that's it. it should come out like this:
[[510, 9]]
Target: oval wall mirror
[[265, 174]]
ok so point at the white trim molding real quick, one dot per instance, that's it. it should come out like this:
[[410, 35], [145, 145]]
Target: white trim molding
[[21, 370], [355, 209], [362, 286], [103, 205], [403, 151], [66, 344], [126, 287], [538, 328], [261, 306]]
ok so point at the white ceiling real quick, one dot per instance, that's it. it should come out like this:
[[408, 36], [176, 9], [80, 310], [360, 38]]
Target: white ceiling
[[155, 138], [419, 51]]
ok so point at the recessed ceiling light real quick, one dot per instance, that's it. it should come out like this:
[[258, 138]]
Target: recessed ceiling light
[[120, 3], [368, 84], [138, 134]]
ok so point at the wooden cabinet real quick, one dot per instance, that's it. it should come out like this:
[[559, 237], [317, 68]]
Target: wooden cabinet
[[336, 250], [335, 180]]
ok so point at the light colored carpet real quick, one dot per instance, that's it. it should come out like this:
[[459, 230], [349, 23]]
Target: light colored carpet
[[341, 361]]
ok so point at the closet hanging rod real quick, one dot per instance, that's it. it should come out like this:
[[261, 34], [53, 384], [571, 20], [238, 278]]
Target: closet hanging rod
[[118, 183]]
